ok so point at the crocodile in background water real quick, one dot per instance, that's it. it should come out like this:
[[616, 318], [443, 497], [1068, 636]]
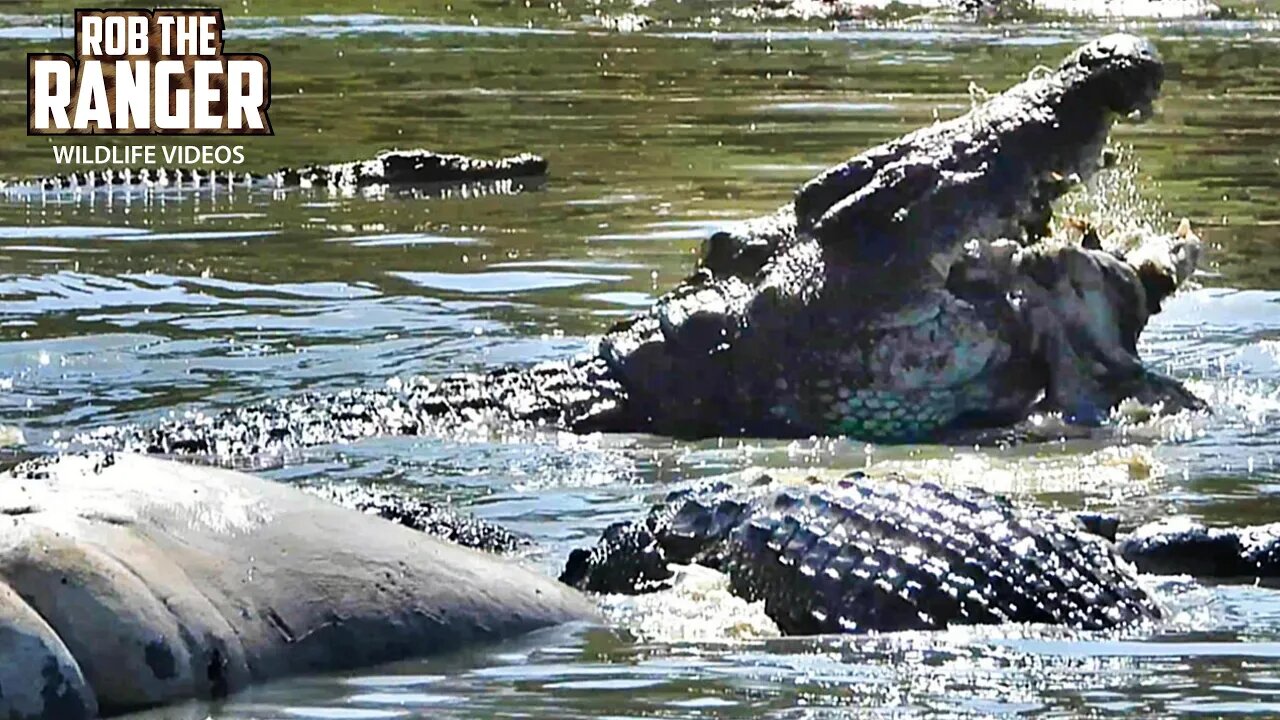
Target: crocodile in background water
[[392, 169]]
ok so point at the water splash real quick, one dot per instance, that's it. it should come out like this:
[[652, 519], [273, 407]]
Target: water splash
[[698, 607], [1118, 203]]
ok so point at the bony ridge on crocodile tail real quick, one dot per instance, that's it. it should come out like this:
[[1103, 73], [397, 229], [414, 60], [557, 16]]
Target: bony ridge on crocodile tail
[[873, 554]]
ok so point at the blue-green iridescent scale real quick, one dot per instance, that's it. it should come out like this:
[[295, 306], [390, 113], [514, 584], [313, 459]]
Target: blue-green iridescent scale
[[894, 416], [926, 363]]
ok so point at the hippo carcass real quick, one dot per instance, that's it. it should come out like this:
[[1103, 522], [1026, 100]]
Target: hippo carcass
[[128, 582]]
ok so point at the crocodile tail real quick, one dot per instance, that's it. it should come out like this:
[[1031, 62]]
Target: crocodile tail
[[549, 394], [1184, 546]]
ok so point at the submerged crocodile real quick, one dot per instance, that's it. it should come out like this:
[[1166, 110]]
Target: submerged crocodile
[[910, 293], [390, 169], [865, 554], [436, 519], [883, 554]]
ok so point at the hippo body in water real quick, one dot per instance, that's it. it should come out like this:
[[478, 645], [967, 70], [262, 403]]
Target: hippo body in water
[[128, 582]]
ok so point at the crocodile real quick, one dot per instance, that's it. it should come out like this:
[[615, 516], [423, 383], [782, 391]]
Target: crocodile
[[123, 577], [912, 293], [437, 519], [883, 554], [397, 169], [1183, 546], [913, 290], [873, 554], [980, 10]]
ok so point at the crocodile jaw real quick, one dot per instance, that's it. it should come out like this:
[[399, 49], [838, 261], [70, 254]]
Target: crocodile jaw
[[1124, 69], [781, 330], [913, 203]]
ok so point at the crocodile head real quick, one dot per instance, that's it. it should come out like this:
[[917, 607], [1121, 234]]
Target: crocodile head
[[835, 315], [993, 173]]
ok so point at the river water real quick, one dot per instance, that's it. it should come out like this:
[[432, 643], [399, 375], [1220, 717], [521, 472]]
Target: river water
[[125, 309]]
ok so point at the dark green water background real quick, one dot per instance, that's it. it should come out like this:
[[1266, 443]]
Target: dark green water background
[[126, 309]]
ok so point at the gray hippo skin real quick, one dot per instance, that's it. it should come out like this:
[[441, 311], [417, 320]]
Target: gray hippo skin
[[876, 554], [904, 295], [390, 169], [128, 582]]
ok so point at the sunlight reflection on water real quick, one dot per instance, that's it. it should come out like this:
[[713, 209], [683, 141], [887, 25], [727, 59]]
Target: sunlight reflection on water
[[129, 310]]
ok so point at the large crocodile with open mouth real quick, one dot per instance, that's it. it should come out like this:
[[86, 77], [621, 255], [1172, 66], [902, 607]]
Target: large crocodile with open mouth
[[906, 294], [911, 293]]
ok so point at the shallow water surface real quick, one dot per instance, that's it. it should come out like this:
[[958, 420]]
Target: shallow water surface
[[125, 308]]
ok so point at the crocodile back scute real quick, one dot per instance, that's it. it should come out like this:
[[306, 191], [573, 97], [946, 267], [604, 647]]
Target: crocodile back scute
[[885, 554], [873, 554]]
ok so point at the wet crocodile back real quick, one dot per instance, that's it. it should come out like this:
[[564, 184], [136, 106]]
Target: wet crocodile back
[[885, 554]]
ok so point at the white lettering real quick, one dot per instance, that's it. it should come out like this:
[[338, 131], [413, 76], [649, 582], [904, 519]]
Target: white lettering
[[90, 35], [53, 94], [140, 94], [166, 34], [138, 40], [208, 28], [133, 94], [92, 105], [187, 39], [115, 41], [207, 95], [180, 118], [245, 83]]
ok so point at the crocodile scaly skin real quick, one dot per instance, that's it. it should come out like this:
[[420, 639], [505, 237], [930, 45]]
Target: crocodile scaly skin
[[875, 555]]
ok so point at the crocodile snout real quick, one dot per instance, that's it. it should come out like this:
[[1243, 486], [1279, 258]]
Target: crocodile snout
[[1125, 69]]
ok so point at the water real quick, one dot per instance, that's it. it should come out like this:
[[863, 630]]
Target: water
[[129, 309]]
